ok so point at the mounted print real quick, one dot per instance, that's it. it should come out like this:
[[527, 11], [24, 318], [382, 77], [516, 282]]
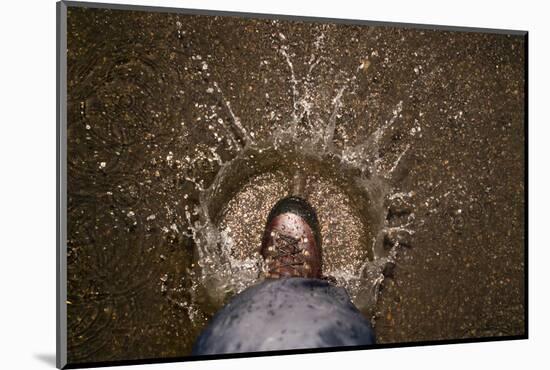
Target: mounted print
[[248, 184]]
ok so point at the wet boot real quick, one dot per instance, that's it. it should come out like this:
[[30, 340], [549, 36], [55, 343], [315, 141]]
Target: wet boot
[[291, 245]]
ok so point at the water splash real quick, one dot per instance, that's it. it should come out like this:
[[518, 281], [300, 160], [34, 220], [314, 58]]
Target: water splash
[[370, 177]]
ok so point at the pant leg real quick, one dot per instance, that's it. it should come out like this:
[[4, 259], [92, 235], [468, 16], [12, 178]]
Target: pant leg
[[279, 314]]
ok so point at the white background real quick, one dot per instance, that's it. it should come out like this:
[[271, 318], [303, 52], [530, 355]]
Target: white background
[[27, 181]]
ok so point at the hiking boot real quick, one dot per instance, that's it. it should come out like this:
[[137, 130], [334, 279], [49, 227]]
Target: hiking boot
[[291, 245]]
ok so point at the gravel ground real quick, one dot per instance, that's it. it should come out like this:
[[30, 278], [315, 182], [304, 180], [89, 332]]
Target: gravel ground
[[158, 103]]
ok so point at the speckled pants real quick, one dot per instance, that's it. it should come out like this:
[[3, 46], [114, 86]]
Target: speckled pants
[[282, 314]]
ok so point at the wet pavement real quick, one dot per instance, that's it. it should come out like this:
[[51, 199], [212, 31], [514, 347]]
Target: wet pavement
[[183, 131]]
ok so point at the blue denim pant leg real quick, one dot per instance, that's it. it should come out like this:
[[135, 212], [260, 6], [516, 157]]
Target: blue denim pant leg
[[279, 314]]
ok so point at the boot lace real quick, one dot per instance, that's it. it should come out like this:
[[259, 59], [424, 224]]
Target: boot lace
[[287, 252]]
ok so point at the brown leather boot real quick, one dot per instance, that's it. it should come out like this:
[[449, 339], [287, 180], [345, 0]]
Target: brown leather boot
[[291, 244]]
